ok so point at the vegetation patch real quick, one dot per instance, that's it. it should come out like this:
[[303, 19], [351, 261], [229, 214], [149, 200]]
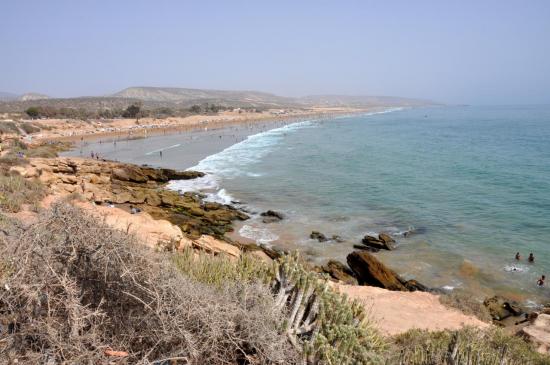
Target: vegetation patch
[[466, 346], [15, 191]]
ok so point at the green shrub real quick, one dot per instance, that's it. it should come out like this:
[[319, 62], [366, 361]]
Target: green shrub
[[325, 326], [466, 346], [219, 270]]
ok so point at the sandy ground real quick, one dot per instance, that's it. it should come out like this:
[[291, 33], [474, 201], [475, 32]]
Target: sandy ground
[[395, 312], [75, 130]]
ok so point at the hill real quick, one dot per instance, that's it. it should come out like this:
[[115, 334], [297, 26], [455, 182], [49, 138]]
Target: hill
[[188, 97], [183, 98], [33, 96]]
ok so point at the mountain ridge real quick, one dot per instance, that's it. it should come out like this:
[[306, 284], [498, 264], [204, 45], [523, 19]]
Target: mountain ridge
[[182, 98]]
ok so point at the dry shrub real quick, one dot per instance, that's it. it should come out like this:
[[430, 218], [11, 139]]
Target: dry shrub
[[9, 128], [77, 288]]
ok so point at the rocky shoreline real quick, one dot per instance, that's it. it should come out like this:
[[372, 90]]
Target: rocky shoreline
[[125, 195]]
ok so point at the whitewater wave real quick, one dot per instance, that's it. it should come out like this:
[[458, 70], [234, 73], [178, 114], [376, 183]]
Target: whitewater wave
[[231, 161], [260, 235]]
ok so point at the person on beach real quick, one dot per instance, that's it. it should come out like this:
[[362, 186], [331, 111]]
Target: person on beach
[[540, 282], [518, 257], [160, 152], [531, 258]]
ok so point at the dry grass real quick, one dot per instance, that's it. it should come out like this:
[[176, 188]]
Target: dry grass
[[76, 288], [16, 191]]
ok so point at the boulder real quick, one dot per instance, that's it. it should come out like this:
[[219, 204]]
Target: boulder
[[340, 272], [383, 242], [337, 238], [272, 213], [500, 308], [386, 238], [538, 332], [369, 271], [413, 285], [215, 246], [318, 236], [271, 216]]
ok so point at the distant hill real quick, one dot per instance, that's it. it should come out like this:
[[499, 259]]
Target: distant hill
[[182, 98], [33, 96], [189, 97]]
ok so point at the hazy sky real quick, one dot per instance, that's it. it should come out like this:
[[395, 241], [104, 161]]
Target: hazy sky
[[478, 52]]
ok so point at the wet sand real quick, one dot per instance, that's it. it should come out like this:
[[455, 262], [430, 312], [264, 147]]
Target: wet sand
[[180, 150]]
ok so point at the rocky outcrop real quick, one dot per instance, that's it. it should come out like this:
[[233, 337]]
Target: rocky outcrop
[[370, 271], [383, 242], [271, 216], [105, 182], [318, 236], [500, 308], [538, 333], [340, 272]]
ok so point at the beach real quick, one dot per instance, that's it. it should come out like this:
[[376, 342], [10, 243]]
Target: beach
[[296, 169]]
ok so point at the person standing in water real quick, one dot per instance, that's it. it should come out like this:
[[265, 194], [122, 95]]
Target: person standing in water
[[518, 257], [531, 258], [160, 152], [540, 282]]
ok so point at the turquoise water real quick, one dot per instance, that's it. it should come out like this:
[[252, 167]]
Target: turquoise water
[[472, 182]]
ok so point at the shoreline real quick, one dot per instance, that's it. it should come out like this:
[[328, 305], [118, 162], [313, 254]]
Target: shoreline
[[149, 127], [241, 238]]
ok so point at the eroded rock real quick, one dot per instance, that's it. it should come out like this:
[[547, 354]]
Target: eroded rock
[[318, 236], [370, 271], [383, 242], [340, 272]]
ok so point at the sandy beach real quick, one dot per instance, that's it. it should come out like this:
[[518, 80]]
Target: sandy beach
[[65, 130]]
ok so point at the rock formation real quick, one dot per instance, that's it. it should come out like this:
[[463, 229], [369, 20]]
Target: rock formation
[[383, 242], [370, 271]]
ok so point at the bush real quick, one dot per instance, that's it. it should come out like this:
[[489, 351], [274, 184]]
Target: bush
[[33, 112], [466, 346], [9, 128], [79, 288], [16, 191], [29, 128], [132, 111], [325, 326]]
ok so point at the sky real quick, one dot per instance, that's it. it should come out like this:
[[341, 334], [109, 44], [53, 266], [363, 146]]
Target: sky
[[472, 52]]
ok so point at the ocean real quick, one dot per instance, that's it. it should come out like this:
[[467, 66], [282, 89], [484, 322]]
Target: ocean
[[471, 184]]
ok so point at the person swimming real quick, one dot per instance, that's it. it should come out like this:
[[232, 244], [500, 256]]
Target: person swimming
[[518, 256], [540, 282], [531, 258]]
